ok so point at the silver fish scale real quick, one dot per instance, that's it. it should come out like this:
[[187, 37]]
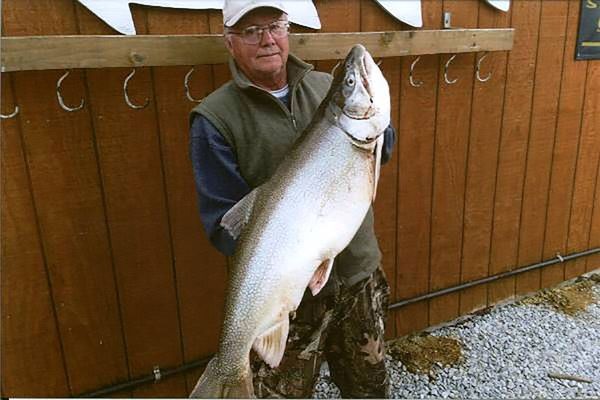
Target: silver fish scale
[[309, 210]]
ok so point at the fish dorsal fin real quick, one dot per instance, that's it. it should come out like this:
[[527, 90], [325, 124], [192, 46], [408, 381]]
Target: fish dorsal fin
[[237, 217], [270, 345], [320, 277], [377, 169]]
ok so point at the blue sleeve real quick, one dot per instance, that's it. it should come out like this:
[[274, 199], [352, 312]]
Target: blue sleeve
[[218, 181], [389, 139]]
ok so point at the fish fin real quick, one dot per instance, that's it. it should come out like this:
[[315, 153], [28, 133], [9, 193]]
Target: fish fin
[[212, 384], [320, 277], [377, 169], [237, 217], [270, 345]]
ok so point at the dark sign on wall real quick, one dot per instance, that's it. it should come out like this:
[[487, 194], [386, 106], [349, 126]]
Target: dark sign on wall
[[588, 42]]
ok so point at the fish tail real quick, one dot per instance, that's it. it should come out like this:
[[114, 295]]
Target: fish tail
[[214, 384]]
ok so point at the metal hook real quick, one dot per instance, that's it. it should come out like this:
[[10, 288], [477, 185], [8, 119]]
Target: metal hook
[[414, 83], [186, 83], [129, 103], [448, 81], [477, 75], [11, 115], [60, 98]]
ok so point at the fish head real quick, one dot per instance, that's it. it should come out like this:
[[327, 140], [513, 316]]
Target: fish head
[[360, 97]]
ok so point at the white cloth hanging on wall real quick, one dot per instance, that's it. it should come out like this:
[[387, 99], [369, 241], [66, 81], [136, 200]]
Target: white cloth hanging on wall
[[117, 14], [502, 5], [407, 11]]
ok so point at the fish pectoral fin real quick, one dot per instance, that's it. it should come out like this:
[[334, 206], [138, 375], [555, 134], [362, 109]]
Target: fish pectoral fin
[[270, 345], [237, 217], [320, 277]]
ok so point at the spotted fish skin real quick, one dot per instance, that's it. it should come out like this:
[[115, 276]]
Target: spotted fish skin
[[292, 227]]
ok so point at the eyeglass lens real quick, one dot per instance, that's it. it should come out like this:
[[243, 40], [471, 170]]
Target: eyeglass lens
[[253, 34]]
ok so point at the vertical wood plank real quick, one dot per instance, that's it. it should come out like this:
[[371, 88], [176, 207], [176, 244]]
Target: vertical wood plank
[[62, 164], [221, 73], [540, 145], [486, 120], [513, 146], [585, 173], [450, 163], [415, 156], [201, 271], [31, 345], [337, 16], [593, 262], [374, 18], [132, 175], [566, 142]]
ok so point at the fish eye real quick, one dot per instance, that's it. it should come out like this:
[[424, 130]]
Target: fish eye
[[350, 81]]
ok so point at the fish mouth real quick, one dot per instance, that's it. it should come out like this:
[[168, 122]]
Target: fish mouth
[[366, 141], [368, 114]]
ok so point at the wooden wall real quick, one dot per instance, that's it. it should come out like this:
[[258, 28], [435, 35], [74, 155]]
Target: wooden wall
[[106, 271]]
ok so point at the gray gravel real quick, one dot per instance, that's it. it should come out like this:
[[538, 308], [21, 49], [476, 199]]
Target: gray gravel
[[507, 353]]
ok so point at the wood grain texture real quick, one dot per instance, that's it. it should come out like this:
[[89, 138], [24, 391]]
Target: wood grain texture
[[132, 176], [551, 45], [486, 120], [585, 172], [28, 319], [336, 16], [568, 131], [39, 53], [593, 262], [65, 184], [372, 18], [197, 264], [415, 180], [513, 147], [221, 73], [450, 166]]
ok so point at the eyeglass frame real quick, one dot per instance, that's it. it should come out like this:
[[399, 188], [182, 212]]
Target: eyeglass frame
[[261, 30]]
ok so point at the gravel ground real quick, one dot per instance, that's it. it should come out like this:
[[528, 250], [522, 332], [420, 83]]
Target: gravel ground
[[507, 353]]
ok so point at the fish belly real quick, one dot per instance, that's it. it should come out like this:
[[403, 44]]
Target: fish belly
[[308, 213]]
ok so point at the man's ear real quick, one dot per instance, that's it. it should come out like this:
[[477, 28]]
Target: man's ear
[[228, 44]]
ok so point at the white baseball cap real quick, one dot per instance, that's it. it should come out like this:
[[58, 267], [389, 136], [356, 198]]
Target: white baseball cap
[[234, 10]]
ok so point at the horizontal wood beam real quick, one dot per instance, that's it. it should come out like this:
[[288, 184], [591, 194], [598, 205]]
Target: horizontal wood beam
[[25, 53]]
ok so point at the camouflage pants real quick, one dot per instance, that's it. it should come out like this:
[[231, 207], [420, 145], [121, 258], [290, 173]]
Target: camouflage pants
[[345, 328]]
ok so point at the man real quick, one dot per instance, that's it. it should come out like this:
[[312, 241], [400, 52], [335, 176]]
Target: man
[[239, 135]]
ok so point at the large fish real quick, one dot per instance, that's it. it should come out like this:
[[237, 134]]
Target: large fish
[[291, 227]]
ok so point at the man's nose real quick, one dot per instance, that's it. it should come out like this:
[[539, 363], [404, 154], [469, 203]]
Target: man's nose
[[266, 38]]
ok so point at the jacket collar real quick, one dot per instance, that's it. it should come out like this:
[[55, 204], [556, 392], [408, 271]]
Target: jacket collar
[[296, 70]]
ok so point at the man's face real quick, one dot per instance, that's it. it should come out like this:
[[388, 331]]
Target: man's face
[[265, 60]]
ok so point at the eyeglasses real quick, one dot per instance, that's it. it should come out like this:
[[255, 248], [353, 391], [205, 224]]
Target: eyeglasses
[[253, 34]]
